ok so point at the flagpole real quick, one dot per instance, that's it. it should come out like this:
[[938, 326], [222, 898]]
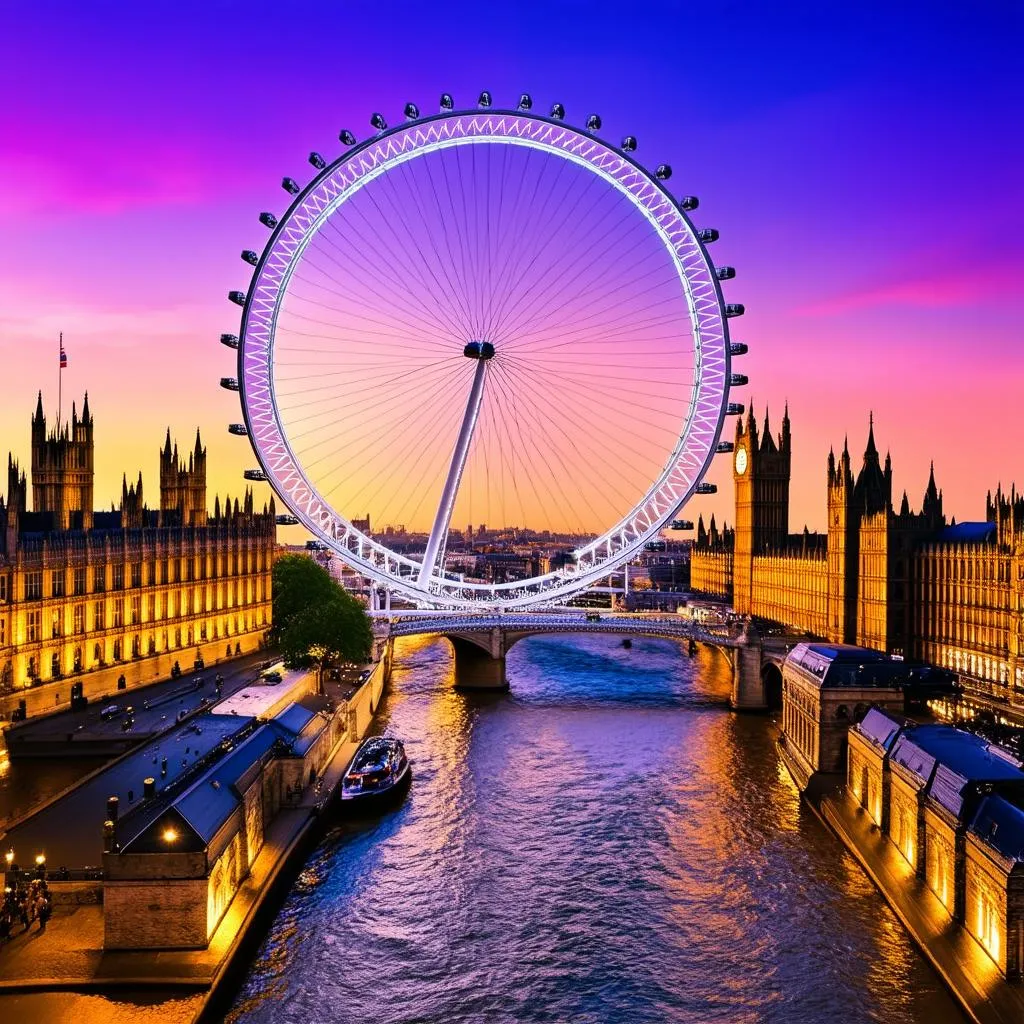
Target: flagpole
[[60, 376]]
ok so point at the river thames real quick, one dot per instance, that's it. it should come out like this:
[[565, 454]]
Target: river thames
[[605, 843]]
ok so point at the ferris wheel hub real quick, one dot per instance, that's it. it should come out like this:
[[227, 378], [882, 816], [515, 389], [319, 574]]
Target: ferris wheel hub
[[479, 350]]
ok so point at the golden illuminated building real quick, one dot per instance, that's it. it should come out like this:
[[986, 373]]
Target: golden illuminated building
[[882, 577], [91, 596]]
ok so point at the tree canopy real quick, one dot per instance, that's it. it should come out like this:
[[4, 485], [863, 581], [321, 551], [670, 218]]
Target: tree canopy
[[315, 618]]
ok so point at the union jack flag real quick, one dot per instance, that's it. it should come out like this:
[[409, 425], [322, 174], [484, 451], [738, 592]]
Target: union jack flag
[[63, 357]]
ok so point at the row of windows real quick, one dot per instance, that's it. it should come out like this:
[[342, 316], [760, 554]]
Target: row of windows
[[136, 611], [82, 659], [990, 569], [974, 663], [155, 573], [949, 594]]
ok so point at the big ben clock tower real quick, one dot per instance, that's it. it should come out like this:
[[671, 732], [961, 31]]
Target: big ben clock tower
[[760, 472]]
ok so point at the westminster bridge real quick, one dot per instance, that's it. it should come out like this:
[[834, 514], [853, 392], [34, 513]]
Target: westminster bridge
[[481, 641]]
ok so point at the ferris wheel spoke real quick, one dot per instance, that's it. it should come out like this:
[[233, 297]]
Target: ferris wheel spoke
[[558, 410], [518, 292], [394, 342], [507, 236], [352, 306], [349, 264], [617, 331], [461, 270], [453, 294], [456, 323], [598, 398], [432, 463], [551, 479], [579, 253], [527, 440], [384, 372], [597, 319], [509, 453], [474, 276], [373, 416], [596, 454], [518, 283], [361, 405], [620, 387], [329, 307], [369, 456], [455, 318], [304, 392], [581, 293], [429, 448]]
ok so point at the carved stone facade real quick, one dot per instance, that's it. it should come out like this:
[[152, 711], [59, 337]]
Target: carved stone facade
[[883, 576]]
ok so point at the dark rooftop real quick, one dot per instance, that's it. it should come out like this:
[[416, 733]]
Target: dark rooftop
[[205, 805], [949, 760], [70, 831], [880, 727], [967, 533], [836, 665], [1000, 823]]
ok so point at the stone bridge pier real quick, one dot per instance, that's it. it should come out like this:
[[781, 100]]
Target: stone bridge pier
[[747, 686], [756, 684], [480, 659]]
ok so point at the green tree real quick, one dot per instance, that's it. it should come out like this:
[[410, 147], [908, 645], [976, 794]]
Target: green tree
[[315, 618], [298, 583]]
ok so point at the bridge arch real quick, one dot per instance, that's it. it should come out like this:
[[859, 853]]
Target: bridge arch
[[771, 678]]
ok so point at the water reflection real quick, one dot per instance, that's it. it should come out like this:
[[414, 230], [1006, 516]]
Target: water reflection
[[605, 843]]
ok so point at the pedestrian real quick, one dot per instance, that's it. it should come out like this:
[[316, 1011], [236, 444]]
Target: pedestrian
[[23, 914], [45, 910]]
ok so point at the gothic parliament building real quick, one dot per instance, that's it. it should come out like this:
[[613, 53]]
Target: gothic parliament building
[[87, 595], [883, 576]]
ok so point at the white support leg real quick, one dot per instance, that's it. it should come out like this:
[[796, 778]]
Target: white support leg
[[439, 531]]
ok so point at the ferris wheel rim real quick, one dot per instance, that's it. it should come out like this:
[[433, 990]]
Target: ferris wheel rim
[[594, 560]]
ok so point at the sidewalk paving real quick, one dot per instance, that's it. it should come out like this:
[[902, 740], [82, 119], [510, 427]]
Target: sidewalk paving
[[966, 969]]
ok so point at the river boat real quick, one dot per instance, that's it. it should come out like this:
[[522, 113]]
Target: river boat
[[378, 776]]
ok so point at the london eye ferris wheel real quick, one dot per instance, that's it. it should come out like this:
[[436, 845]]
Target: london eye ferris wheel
[[484, 316]]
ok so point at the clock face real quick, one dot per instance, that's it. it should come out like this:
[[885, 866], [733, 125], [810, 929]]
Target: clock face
[[741, 460]]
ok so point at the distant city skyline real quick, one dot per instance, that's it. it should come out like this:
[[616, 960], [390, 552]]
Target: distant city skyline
[[858, 164]]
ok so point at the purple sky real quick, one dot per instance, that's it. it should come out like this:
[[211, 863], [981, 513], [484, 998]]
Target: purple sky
[[864, 167]]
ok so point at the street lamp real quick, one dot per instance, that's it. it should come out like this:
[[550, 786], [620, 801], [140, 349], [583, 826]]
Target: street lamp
[[169, 835], [40, 865], [9, 857]]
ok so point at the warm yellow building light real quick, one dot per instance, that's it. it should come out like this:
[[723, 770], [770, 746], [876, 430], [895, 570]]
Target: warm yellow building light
[[170, 835]]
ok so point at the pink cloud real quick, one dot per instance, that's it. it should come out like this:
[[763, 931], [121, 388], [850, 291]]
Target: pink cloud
[[944, 289], [57, 168]]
